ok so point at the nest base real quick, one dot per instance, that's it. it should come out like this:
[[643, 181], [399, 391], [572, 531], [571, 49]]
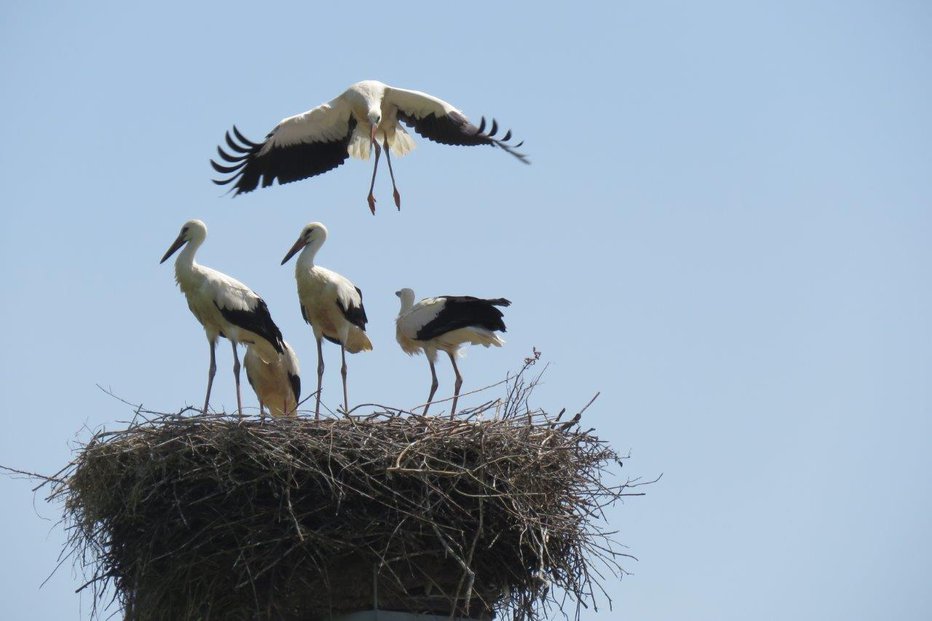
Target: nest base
[[211, 517]]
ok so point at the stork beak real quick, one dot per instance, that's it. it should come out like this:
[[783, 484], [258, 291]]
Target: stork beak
[[178, 243], [372, 133], [298, 245]]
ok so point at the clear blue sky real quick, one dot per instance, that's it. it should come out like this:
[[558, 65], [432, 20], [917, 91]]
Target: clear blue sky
[[725, 230]]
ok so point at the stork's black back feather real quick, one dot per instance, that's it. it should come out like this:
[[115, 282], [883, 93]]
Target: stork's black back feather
[[258, 321], [464, 311], [356, 315], [455, 129], [290, 163]]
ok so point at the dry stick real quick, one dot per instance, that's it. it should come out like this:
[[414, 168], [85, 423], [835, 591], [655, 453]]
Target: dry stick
[[456, 557]]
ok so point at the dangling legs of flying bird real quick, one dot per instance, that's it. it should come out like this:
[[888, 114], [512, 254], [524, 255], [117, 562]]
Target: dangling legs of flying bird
[[375, 167], [395, 194]]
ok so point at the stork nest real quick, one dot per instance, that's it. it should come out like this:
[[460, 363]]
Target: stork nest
[[218, 517]]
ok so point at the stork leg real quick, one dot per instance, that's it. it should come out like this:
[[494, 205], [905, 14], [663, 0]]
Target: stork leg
[[210, 374], [433, 384], [236, 368], [456, 388], [388, 158], [261, 412], [375, 167], [320, 376], [343, 373]]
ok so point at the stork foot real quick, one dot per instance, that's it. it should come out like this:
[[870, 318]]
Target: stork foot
[[397, 200], [371, 200]]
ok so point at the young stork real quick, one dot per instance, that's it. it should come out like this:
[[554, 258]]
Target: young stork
[[368, 114], [330, 303], [277, 383], [223, 305], [445, 323]]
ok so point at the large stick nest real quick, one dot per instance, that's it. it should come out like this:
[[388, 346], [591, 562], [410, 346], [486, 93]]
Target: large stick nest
[[216, 517]]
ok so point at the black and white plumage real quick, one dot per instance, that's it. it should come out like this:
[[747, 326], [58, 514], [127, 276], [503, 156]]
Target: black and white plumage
[[223, 305], [367, 114], [444, 324], [330, 303], [276, 382]]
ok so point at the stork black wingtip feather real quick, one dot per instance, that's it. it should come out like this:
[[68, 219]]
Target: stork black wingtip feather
[[238, 148], [227, 157], [246, 141], [226, 170]]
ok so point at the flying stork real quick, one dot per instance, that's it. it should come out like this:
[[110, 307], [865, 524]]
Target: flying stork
[[330, 303], [277, 383], [367, 113], [223, 305], [445, 323]]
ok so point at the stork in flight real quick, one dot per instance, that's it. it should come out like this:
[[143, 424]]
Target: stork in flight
[[367, 113], [277, 383], [223, 305], [444, 324], [330, 303]]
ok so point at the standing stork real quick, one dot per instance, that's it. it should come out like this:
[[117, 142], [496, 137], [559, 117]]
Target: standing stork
[[277, 382], [330, 303], [367, 113], [223, 305], [445, 323]]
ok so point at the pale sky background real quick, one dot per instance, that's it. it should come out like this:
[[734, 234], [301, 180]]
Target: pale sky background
[[725, 230]]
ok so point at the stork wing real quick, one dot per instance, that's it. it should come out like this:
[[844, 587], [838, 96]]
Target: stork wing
[[292, 370], [461, 311], [300, 146], [420, 315], [439, 121], [242, 307], [351, 306]]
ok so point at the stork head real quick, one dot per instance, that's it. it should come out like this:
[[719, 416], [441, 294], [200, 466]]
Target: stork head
[[407, 298], [191, 231], [313, 235]]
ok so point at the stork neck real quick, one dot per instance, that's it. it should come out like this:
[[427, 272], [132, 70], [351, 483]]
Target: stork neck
[[185, 261], [306, 258], [407, 302]]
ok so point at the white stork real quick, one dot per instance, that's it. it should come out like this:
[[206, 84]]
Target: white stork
[[330, 303], [445, 323], [277, 383], [367, 113], [224, 306]]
